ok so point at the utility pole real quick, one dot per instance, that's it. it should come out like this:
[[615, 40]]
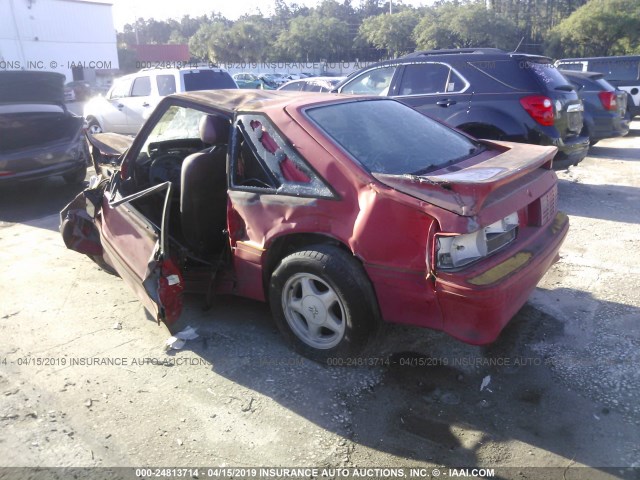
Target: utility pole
[[390, 7]]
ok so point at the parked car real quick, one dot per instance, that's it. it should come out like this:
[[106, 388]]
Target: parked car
[[605, 108], [132, 98], [247, 80], [82, 90], [342, 212], [314, 84], [39, 136], [622, 72], [272, 80], [486, 92]]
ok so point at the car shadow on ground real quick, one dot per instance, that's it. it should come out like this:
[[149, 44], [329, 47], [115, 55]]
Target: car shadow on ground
[[612, 202], [616, 153], [427, 404], [28, 202]]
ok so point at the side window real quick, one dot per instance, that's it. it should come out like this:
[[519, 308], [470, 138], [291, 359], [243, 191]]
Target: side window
[[427, 78], [373, 82], [166, 84], [262, 159], [312, 87], [121, 89], [141, 87], [293, 87]]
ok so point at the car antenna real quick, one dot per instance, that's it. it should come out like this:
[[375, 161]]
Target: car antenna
[[522, 40]]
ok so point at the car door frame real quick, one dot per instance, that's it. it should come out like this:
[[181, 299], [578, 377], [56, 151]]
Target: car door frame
[[161, 286]]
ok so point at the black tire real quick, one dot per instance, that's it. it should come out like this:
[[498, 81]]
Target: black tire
[[76, 177], [328, 272]]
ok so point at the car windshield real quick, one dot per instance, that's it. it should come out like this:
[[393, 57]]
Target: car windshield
[[386, 136], [207, 80]]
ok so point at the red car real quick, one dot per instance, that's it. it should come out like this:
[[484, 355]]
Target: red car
[[342, 212]]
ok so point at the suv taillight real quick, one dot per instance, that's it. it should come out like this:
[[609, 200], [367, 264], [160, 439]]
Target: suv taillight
[[609, 100], [540, 108]]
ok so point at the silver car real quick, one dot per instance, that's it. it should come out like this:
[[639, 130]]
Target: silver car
[[132, 98]]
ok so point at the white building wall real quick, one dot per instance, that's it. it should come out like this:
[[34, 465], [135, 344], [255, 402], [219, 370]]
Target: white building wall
[[57, 35]]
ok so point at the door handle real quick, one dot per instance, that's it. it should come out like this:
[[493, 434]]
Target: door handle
[[145, 104], [446, 103], [120, 106]]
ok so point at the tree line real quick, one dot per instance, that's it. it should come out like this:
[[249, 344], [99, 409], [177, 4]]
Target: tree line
[[338, 31]]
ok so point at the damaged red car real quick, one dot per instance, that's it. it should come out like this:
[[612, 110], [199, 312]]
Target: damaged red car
[[341, 212]]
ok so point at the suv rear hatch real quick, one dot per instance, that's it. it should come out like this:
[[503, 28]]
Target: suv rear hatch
[[563, 110]]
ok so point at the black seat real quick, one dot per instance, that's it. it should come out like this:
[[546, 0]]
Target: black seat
[[203, 193]]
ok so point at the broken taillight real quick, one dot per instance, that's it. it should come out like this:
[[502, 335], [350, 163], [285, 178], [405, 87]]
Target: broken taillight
[[540, 108]]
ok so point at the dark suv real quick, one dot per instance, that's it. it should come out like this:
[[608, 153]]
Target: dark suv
[[486, 92]]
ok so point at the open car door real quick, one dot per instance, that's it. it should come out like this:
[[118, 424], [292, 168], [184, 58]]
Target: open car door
[[139, 252]]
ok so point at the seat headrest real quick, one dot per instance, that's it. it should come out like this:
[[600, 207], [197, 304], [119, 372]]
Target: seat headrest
[[214, 130]]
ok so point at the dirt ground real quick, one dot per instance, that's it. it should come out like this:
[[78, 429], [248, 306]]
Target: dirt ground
[[85, 379]]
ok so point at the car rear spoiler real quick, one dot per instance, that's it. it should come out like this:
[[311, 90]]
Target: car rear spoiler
[[468, 190]]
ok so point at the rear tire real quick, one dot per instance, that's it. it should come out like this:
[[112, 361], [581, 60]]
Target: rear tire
[[323, 303]]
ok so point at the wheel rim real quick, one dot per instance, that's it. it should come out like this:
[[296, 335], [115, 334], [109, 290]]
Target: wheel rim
[[94, 128], [314, 311]]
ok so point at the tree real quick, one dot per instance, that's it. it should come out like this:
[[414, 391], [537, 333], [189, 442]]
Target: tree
[[314, 38], [462, 26], [598, 28], [210, 42], [248, 40], [392, 33]]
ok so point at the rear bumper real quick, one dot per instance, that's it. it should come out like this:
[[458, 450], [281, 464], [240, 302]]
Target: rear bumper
[[477, 305], [608, 126], [570, 151]]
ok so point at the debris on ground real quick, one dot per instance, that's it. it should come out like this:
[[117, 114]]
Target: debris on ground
[[177, 341]]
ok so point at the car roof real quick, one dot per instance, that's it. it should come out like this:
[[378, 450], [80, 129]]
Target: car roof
[[614, 58], [264, 100], [483, 54]]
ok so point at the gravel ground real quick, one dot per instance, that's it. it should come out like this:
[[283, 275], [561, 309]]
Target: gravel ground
[[85, 379]]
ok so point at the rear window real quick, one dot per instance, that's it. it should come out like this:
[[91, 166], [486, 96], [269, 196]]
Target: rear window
[[207, 80], [386, 136], [604, 85], [547, 74]]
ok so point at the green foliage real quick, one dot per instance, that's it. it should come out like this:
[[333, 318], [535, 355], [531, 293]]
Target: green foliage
[[337, 30], [313, 38], [598, 28], [471, 25], [392, 33]]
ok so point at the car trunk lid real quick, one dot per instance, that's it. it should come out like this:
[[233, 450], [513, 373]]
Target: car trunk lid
[[31, 87], [507, 176]]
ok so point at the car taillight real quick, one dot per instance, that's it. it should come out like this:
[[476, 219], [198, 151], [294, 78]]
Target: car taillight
[[609, 100], [540, 108]]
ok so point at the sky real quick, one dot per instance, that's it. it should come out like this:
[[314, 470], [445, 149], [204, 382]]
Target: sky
[[126, 11]]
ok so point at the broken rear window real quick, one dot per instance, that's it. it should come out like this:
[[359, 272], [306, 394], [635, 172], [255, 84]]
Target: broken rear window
[[386, 136]]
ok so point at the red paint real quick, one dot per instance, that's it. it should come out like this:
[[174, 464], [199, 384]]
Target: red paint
[[390, 226]]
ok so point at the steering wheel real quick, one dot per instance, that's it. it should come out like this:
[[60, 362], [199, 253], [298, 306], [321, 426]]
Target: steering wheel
[[166, 167]]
